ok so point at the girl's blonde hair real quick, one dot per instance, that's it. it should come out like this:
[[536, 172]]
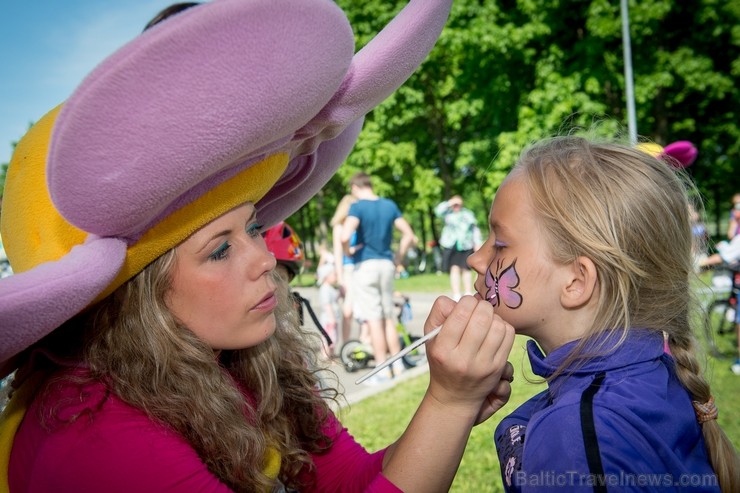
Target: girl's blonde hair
[[342, 210], [133, 344], [629, 213]]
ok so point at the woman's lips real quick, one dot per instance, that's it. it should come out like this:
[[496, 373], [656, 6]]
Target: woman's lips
[[267, 303]]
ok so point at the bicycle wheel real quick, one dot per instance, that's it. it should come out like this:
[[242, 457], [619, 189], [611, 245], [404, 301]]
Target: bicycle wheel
[[354, 355], [718, 323], [415, 357]]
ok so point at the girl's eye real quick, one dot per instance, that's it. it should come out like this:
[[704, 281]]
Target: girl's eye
[[221, 252], [498, 246], [254, 230]]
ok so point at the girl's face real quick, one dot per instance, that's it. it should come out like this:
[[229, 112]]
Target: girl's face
[[222, 285], [515, 271]]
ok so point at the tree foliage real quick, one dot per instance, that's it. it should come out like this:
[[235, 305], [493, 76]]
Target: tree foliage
[[506, 72]]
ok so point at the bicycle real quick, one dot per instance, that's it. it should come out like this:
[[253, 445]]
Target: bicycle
[[356, 355], [722, 312]]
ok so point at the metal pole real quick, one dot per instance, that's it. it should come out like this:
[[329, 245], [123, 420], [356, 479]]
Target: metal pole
[[631, 120]]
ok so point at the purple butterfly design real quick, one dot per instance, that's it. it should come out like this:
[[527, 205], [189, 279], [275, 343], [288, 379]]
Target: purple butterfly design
[[501, 286]]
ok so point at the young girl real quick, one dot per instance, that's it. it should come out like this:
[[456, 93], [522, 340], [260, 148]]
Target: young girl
[[590, 255]]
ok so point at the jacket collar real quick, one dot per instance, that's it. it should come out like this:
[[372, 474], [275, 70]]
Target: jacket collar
[[640, 345]]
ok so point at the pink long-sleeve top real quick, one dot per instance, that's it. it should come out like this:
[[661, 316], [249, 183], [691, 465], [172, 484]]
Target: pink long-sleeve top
[[118, 448]]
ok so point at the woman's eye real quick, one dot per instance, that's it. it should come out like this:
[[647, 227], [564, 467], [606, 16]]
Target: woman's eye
[[221, 252], [254, 230], [498, 246]]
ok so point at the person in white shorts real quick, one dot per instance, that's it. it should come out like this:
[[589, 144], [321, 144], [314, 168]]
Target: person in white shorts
[[373, 218]]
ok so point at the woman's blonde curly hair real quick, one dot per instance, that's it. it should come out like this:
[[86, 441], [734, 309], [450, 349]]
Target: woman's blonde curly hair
[[132, 343]]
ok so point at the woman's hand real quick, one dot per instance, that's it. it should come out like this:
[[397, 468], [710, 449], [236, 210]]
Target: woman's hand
[[469, 371], [469, 381]]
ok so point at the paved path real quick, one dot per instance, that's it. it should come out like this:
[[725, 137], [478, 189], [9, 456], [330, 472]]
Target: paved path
[[421, 303]]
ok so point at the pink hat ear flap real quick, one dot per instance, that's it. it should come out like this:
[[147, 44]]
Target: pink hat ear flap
[[38, 301]]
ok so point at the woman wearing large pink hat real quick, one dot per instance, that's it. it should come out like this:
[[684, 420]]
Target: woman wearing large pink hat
[[153, 348]]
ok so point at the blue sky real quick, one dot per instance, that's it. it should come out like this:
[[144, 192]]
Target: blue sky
[[48, 46]]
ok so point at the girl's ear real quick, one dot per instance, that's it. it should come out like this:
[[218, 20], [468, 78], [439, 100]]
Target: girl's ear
[[581, 283]]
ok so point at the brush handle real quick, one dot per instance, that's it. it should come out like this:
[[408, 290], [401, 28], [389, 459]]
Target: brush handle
[[403, 352]]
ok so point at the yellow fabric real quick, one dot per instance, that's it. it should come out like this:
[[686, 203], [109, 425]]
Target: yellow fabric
[[34, 232], [11, 419], [651, 148], [272, 463]]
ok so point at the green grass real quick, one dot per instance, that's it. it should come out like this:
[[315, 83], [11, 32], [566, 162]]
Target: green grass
[[379, 420], [424, 283], [418, 283]]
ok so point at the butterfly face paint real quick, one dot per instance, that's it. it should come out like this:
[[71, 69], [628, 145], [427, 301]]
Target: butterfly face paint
[[501, 286]]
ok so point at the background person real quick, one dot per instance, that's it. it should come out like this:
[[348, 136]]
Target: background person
[[728, 252], [458, 241], [329, 304], [374, 219], [700, 235], [287, 248], [344, 264], [733, 224], [590, 255]]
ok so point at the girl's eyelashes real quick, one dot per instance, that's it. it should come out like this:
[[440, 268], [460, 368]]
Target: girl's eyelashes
[[221, 252], [499, 245]]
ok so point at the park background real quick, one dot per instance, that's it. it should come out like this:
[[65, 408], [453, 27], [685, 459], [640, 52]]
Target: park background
[[504, 73]]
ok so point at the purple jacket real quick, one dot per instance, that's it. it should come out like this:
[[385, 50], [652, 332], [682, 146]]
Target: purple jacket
[[644, 430]]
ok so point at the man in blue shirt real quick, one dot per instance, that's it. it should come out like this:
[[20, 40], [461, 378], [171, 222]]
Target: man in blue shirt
[[374, 218]]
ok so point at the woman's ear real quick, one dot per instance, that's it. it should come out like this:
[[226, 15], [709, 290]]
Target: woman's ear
[[581, 283]]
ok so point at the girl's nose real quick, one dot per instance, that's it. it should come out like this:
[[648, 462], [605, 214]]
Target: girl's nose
[[476, 261]]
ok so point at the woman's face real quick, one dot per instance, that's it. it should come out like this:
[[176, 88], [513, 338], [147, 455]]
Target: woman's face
[[222, 286]]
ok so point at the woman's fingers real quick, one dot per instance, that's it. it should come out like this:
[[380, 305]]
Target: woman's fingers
[[441, 309], [468, 359]]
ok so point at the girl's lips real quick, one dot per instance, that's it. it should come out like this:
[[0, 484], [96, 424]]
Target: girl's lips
[[268, 303]]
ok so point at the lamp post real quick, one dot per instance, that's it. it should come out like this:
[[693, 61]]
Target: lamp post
[[628, 82]]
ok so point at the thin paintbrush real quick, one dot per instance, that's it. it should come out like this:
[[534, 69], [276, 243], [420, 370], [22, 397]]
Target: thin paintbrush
[[403, 352]]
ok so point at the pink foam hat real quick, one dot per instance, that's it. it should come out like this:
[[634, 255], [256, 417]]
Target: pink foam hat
[[228, 102]]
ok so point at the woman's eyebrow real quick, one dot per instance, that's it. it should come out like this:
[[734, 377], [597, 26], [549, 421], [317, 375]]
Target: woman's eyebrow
[[225, 232]]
